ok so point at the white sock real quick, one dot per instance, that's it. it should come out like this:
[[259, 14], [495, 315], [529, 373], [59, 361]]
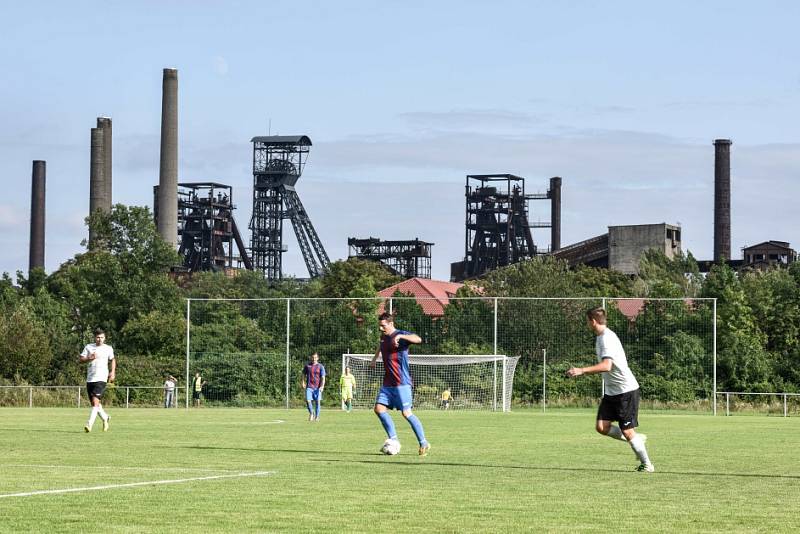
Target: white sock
[[637, 444], [102, 413], [616, 433], [92, 416]]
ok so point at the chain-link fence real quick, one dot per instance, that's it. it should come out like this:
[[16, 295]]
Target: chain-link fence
[[76, 397], [251, 352]]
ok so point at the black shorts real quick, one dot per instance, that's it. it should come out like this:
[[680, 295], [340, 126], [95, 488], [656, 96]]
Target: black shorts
[[95, 389], [623, 408], [196, 395]]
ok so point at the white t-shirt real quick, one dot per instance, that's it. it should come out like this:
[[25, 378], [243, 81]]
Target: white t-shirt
[[98, 368], [619, 379], [169, 385]]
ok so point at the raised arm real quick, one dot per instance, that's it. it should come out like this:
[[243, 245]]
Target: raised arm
[[603, 367], [86, 356], [410, 338]]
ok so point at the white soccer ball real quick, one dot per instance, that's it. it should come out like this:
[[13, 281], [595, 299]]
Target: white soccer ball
[[390, 447]]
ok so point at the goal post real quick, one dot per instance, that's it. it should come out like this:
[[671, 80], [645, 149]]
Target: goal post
[[476, 382]]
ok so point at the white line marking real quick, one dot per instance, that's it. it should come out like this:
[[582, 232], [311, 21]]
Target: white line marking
[[120, 468], [135, 484]]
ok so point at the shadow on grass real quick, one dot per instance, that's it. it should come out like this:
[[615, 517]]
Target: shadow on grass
[[426, 461]]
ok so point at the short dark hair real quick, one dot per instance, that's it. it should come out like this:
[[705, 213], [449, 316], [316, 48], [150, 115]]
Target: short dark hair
[[98, 331], [386, 316], [598, 314]]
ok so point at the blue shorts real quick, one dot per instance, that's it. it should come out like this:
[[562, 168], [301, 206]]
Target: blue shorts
[[395, 398], [313, 394]]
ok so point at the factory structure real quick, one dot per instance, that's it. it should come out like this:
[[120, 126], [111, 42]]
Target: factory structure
[[197, 218]]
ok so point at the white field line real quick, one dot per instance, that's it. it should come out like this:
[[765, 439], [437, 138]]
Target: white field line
[[136, 484], [120, 468]]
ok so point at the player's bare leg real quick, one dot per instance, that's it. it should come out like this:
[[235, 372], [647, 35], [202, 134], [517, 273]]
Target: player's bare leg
[[607, 428]]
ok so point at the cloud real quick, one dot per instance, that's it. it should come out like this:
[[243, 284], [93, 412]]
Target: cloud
[[472, 120], [12, 218], [220, 65]]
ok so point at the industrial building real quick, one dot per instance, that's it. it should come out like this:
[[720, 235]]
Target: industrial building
[[622, 247], [409, 259]]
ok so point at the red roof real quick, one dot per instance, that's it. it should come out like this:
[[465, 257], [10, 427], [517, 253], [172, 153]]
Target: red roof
[[432, 295], [632, 307]]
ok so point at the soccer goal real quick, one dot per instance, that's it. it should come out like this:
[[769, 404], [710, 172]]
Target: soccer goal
[[475, 382]]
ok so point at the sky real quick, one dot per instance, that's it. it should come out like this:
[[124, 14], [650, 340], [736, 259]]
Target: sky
[[402, 100]]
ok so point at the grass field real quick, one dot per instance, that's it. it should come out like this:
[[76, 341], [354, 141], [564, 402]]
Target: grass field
[[487, 472]]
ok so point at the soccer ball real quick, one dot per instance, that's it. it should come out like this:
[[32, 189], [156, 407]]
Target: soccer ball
[[390, 447]]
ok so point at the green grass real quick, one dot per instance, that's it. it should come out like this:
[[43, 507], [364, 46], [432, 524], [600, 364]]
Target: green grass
[[487, 472]]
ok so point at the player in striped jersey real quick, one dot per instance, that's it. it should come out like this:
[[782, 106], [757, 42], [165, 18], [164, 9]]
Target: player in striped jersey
[[314, 383], [396, 392]]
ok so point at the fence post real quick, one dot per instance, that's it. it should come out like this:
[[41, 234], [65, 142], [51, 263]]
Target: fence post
[[30, 397], [494, 389], [127, 397], [785, 412], [79, 395], [727, 403], [544, 380], [188, 326], [714, 355], [288, 323]]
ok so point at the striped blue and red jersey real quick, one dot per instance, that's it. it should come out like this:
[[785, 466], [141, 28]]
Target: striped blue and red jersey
[[314, 373], [395, 361]]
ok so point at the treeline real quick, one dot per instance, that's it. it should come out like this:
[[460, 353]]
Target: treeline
[[123, 285]]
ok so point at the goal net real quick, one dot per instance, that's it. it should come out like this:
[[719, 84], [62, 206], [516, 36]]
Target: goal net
[[476, 382]]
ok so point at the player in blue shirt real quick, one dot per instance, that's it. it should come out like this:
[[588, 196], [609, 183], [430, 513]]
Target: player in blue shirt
[[314, 383], [396, 391]]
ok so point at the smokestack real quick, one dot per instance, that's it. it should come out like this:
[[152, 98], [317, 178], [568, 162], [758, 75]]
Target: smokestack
[[555, 213], [36, 258], [97, 185], [105, 124], [722, 200], [168, 175]]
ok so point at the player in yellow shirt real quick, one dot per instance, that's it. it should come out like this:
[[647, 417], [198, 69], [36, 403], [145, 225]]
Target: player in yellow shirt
[[348, 385], [446, 396]]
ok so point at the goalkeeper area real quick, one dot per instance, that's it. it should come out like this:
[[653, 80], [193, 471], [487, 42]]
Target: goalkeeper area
[[270, 470], [474, 382]]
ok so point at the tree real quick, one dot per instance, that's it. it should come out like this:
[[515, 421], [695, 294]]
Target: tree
[[343, 276], [124, 278], [660, 276], [744, 365], [26, 350]]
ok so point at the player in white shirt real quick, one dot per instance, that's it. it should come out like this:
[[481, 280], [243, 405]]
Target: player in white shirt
[[620, 389], [99, 355]]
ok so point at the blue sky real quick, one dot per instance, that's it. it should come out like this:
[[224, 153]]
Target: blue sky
[[402, 100]]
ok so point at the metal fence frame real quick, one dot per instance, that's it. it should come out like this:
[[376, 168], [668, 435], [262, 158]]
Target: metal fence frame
[[775, 394], [390, 300], [79, 392]]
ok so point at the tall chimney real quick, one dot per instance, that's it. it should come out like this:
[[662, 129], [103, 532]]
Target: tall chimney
[[722, 200], [97, 185], [105, 124], [555, 213], [168, 175], [36, 258]]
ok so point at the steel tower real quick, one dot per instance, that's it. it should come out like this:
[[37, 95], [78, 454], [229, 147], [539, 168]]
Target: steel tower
[[278, 162]]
